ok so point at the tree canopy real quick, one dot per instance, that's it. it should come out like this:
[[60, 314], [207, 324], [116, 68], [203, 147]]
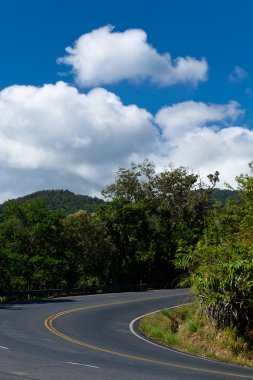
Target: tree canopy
[[132, 237], [221, 264]]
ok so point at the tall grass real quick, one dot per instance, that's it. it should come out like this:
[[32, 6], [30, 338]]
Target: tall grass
[[186, 329]]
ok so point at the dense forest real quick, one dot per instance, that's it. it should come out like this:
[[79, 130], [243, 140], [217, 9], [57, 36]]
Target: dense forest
[[132, 236], [224, 195], [155, 228]]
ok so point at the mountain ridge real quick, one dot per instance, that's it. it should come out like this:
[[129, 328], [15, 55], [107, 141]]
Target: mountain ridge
[[70, 202], [64, 200]]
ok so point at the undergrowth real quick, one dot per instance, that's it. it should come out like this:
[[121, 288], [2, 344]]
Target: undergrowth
[[185, 328]]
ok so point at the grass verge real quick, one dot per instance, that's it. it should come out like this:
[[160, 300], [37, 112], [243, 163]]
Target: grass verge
[[186, 329]]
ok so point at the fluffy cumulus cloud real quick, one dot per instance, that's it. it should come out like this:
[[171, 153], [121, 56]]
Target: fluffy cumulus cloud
[[55, 137], [104, 56], [180, 119], [205, 137]]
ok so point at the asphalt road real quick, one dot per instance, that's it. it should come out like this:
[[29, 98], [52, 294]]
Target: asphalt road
[[88, 337]]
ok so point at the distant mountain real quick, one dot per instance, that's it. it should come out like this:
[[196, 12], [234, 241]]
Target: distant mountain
[[223, 194], [65, 200], [69, 202]]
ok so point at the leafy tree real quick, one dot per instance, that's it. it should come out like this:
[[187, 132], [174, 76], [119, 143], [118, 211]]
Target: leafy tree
[[221, 265], [30, 246], [131, 256], [87, 249], [149, 214]]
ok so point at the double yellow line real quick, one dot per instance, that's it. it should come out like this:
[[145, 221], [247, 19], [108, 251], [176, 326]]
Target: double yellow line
[[49, 324]]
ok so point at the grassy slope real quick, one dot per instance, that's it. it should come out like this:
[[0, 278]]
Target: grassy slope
[[184, 328]]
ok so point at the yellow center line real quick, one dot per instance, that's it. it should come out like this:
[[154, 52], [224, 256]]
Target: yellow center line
[[49, 325]]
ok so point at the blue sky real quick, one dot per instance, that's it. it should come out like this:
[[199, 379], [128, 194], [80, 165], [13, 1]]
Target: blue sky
[[34, 34]]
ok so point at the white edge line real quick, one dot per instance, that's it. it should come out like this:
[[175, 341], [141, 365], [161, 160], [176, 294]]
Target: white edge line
[[4, 348], [131, 328], [84, 365]]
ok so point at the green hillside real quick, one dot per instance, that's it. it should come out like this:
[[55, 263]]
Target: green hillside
[[223, 194], [62, 199], [70, 202]]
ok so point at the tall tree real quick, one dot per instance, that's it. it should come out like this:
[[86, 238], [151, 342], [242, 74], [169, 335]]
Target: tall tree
[[221, 265], [149, 213], [87, 249], [30, 246]]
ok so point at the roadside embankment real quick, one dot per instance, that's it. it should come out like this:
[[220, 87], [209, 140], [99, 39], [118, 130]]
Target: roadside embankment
[[186, 329]]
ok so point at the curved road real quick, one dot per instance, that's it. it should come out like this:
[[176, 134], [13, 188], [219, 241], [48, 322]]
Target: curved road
[[88, 337]]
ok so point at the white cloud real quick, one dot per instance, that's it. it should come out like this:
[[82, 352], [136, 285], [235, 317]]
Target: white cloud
[[103, 57], [238, 74], [179, 119], [203, 137], [54, 136]]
